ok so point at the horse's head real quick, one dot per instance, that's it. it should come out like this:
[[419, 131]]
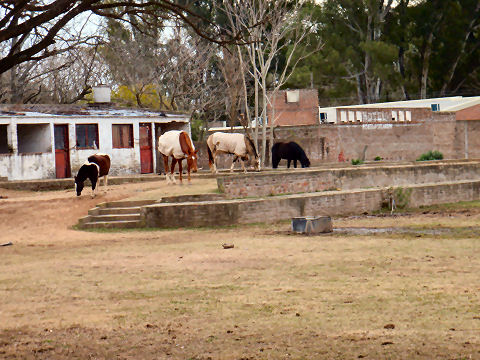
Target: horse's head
[[192, 161], [78, 186], [305, 162], [256, 163]]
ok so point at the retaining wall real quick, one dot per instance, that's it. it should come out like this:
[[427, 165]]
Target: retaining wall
[[312, 180], [271, 209]]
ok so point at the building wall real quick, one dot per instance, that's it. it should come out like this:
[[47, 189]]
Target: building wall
[[41, 165], [395, 141], [303, 112]]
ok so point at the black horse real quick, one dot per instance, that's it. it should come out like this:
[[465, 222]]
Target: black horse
[[290, 151]]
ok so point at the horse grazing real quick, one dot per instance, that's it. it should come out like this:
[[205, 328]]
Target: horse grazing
[[178, 145], [96, 166], [239, 145], [290, 151]]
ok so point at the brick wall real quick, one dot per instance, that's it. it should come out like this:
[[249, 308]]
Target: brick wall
[[391, 141], [303, 112], [312, 180], [271, 209]]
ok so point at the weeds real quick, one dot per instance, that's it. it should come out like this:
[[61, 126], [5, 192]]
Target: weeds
[[431, 155], [357, 161]]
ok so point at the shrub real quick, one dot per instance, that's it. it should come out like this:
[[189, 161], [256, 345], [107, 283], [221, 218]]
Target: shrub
[[357, 162], [377, 158], [431, 155]]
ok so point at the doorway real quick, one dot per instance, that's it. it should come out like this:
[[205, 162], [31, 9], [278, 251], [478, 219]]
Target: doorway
[[146, 153], [62, 154]]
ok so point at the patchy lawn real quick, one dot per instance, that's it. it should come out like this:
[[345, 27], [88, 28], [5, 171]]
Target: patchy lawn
[[179, 295]]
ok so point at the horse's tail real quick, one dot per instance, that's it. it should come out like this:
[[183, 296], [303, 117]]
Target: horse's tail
[[210, 157], [211, 161]]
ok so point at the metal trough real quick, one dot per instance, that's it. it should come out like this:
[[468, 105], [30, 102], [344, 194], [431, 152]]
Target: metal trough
[[312, 224]]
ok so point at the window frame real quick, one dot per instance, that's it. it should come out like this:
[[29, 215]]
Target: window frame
[[96, 141], [115, 144]]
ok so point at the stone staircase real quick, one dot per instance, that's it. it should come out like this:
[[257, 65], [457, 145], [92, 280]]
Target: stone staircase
[[115, 215], [126, 214]]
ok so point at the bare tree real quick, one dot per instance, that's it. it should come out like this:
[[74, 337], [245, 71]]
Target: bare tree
[[35, 29], [271, 28]]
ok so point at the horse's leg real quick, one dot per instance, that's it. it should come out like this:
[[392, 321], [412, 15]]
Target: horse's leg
[[95, 185], [105, 182], [243, 165], [235, 158], [180, 170], [165, 167], [172, 171], [288, 163], [214, 155], [295, 163], [188, 173]]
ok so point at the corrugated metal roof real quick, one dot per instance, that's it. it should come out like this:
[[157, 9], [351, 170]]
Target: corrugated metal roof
[[450, 103], [42, 110]]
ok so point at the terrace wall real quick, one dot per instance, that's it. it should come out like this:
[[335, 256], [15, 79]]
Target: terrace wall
[[314, 180]]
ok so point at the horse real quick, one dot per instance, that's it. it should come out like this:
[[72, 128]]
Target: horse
[[95, 167], [178, 145], [290, 151], [240, 145]]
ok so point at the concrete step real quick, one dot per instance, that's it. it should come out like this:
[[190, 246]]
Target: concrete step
[[127, 203], [114, 217], [114, 211], [127, 224]]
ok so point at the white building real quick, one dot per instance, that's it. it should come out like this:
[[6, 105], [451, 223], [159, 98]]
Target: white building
[[53, 141], [400, 110]]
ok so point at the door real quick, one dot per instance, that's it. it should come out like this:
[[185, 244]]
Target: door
[[146, 153], [62, 156]]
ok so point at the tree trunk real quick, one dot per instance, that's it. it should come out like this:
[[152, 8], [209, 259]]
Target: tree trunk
[[453, 67]]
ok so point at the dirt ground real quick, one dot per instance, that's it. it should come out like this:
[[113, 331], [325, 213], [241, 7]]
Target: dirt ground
[[178, 294]]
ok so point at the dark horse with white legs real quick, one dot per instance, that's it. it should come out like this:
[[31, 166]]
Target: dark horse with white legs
[[290, 151], [178, 145], [239, 145], [97, 165]]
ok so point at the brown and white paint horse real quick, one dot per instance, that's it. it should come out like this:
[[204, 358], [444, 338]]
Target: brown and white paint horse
[[178, 145], [97, 165], [239, 145]]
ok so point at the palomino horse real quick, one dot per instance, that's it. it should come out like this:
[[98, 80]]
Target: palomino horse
[[97, 165], [177, 144], [290, 151], [239, 145]]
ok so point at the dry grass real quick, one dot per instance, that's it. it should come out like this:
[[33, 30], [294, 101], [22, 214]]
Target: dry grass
[[180, 295]]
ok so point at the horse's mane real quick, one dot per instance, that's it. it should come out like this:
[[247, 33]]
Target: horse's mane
[[250, 141]]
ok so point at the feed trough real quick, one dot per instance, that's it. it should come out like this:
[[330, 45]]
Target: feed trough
[[312, 224]]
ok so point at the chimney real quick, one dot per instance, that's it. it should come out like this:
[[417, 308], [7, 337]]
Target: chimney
[[101, 94]]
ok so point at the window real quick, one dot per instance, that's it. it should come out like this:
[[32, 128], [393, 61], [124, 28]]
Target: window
[[122, 136], [435, 107], [394, 116], [323, 117], [4, 146], [351, 116], [34, 138], [293, 96], [87, 136], [343, 115], [408, 115], [359, 116]]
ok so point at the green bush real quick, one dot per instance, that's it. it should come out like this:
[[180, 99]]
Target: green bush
[[357, 162], [431, 155], [377, 158]]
